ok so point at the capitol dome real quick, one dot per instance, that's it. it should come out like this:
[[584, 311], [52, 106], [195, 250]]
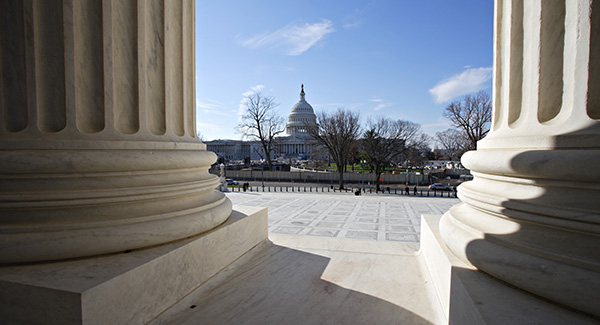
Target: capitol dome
[[302, 115]]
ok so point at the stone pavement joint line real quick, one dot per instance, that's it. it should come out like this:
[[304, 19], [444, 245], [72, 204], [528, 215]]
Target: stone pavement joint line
[[380, 218]]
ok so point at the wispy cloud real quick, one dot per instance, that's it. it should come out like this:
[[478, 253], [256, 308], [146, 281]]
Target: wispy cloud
[[294, 39], [352, 25], [380, 103], [209, 106], [471, 80], [244, 100], [354, 20]]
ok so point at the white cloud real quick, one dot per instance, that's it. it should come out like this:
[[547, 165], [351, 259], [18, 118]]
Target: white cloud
[[211, 107], [244, 100], [295, 39], [471, 80], [354, 20], [381, 106], [257, 88], [380, 103], [352, 25]]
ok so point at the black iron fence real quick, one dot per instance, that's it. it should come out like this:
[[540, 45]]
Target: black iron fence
[[350, 190]]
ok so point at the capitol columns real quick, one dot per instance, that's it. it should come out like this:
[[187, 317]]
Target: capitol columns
[[531, 216], [98, 145]]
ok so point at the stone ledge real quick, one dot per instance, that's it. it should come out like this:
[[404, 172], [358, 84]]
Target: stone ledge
[[126, 288], [468, 296]]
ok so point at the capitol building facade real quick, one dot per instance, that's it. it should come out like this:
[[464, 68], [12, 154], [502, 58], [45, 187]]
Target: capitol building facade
[[296, 144]]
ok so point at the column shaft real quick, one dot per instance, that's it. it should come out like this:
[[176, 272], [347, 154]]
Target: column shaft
[[531, 216], [98, 146]]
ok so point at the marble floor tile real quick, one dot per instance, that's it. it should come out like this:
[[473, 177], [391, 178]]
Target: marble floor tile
[[345, 216]]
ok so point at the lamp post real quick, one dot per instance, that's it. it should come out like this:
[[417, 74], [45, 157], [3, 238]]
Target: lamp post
[[362, 172], [223, 184], [407, 167]]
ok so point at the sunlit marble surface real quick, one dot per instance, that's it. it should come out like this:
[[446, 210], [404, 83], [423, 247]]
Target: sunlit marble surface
[[287, 283], [345, 216]]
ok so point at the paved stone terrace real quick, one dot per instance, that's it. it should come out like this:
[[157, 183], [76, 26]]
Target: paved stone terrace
[[345, 216]]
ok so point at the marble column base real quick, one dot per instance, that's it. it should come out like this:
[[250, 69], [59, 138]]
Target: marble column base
[[74, 199], [530, 218], [469, 296], [126, 288]]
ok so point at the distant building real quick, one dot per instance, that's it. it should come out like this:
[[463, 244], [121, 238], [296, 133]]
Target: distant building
[[295, 144], [231, 149]]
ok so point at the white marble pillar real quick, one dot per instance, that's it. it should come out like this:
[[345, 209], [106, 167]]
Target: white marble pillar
[[98, 144], [531, 216]]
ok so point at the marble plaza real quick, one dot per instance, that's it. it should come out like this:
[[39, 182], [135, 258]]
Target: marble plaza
[[345, 216]]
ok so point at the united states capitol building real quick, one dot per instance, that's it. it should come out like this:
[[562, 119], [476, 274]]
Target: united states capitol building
[[295, 144]]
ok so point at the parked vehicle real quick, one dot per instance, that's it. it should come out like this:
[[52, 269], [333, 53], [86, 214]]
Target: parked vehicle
[[439, 187], [231, 181]]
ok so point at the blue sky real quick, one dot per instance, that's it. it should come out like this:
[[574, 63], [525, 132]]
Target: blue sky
[[403, 59]]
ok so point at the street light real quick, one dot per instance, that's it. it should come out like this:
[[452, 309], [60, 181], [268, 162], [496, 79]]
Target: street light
[[222, 184], [362, 171]]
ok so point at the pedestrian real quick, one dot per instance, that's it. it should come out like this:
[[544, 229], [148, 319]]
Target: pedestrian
[[415, 190], [406, 189]]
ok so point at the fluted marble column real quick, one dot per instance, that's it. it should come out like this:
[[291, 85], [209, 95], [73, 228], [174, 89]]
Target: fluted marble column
[[98, 146], [531, 216]]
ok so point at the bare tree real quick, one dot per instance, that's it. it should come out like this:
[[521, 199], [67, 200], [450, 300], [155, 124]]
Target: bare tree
[[454, 141], [338, 132], [260, 122], [385, 140], [472, 114]]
